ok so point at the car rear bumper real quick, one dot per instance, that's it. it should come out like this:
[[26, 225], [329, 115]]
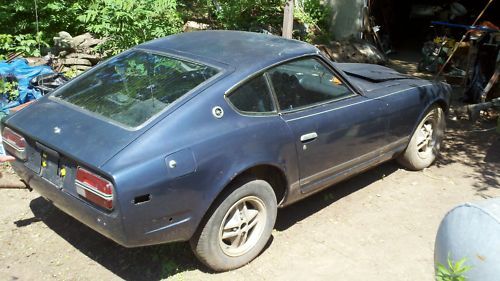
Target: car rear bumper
[[108, 224]]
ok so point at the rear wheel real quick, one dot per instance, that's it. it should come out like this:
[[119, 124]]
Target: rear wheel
[[239, 227], [425, 142]]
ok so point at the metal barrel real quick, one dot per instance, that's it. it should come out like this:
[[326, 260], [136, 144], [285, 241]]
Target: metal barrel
[[472, 231]]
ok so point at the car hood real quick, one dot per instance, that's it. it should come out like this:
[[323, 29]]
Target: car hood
[[370, 77], [371, 72], [71, 131]]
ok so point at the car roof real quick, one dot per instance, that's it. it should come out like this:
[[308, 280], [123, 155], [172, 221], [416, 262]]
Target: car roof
[[237, 49]]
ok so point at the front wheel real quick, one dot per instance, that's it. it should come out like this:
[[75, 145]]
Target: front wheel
[[239, 227], [425, 142]]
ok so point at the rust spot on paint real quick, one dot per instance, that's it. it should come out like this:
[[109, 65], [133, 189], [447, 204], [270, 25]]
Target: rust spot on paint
[[481, 258]]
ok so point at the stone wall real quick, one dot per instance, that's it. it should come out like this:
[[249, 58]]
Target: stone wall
[[76, 53]]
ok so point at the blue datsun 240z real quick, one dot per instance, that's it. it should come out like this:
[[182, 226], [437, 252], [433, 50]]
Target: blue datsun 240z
[[201, 136]]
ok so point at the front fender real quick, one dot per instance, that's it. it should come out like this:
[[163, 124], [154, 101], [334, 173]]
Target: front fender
[[439, 94]]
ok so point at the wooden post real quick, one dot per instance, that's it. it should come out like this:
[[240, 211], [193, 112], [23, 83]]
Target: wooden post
[[288, 19]]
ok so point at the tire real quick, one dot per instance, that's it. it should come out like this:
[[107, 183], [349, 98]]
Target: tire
[[247, 212], [425, 142]]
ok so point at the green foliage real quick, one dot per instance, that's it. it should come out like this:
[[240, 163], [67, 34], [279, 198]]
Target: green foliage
[[125, 23], [71, 73], [454, 271], [318, 13], [316, 16], [135, 69], [19, 16], [6, 41], [26, 44], [253, 15], [197, 10], [258, 15], [9, 90]]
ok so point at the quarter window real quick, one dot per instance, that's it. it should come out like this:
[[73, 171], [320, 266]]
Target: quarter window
[[253, 97], [305, 82]]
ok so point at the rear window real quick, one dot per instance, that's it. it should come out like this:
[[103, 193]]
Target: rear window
[[134, 86]]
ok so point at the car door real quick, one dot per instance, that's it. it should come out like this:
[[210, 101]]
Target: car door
[[334, 128]]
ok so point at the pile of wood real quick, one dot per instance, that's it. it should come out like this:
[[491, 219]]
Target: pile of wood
[[75, 53], [353, 50]]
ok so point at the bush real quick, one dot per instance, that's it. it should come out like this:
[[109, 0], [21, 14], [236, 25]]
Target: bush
[[316, 16], [125, 23], [18, 28], [259, 15], [9, 90], [19, 17], [26, 44], [253, 15]]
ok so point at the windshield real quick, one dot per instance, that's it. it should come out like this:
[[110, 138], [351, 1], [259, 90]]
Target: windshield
[[134, 86]]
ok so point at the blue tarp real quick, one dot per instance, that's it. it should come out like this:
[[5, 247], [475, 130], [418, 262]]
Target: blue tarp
[[20, 69]]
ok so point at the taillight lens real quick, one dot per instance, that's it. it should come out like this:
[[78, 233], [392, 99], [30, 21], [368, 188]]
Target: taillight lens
[[14, 143], [94, 188]]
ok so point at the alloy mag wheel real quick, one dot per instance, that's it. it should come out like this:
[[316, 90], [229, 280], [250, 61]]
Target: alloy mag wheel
[[426, 137], [242, 226], [425, 143], [239, 227]]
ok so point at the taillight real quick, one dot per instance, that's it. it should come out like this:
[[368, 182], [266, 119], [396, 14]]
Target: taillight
[[94, 188], [14, 143]]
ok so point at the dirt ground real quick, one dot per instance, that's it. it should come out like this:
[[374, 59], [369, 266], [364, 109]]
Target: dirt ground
[[380, 225]]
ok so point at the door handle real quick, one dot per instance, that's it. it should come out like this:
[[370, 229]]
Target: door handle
[[308, 137]]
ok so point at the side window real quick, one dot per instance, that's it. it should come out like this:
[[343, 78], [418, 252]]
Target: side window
[[253, 96], [305, 82]]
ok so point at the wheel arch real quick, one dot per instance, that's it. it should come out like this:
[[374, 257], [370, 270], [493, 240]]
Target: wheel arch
[[441, 103], [270, 173], [437, 102]]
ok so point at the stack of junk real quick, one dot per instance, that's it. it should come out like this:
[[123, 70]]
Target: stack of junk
[[25, 79]]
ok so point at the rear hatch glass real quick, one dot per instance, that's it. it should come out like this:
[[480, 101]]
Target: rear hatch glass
[[133, 87]]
